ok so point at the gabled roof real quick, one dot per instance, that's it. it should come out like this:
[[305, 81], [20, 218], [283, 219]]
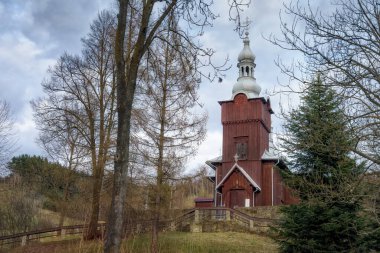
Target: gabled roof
[[270, 155], [272, 152], [200, 199], [247, 176], [211, 178], [214, 161]]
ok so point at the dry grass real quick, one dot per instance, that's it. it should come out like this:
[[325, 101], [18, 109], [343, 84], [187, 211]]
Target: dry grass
[[173, 242], [53, 217]]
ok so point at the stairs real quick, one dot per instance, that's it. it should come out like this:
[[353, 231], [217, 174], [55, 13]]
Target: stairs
[[221, 219]]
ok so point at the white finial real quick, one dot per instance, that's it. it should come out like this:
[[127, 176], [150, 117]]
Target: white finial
[[236, 157]]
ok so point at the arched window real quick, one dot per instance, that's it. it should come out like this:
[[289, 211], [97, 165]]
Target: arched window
[[251, 71], [242, 71], [247, 70]]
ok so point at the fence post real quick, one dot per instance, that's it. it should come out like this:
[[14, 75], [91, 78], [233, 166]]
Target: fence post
[[196, 226], [23, 240], [251, 225], [196, 216], [139, 228], [172, 226], [228, 215], [102, 230]]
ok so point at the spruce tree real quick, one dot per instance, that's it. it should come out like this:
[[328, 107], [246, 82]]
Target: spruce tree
[[323, 174]]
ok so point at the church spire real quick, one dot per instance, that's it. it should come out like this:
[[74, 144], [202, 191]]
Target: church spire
[[246, 83]]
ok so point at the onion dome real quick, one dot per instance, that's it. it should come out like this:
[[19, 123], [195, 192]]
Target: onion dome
[[246, 83]]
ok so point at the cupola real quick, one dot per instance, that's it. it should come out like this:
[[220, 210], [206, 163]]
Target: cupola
[[246, 83]]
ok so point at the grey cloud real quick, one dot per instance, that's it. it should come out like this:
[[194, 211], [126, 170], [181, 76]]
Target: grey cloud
[[33, 33], [55, 25], [64, 22]]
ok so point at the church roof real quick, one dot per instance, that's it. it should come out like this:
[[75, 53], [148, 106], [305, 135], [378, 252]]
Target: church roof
[[246, 83], [246, 175], [214, 161], [270, 155], [272, 152], [200, 199]]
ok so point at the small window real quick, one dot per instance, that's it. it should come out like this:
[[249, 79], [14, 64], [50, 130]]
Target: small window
[[241, 150], [241, 145]]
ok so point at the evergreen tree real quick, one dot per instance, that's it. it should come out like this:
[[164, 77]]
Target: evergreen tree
[[318, 144], [44, 178]]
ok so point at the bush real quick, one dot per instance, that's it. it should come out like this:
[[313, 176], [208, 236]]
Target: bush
[[18, 212]]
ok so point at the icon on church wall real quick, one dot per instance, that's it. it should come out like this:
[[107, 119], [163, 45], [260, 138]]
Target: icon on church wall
[[241, 150]]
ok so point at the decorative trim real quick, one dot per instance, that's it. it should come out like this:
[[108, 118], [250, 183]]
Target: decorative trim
[[232, 122], [240, 121], [231, 100], [247, 176]]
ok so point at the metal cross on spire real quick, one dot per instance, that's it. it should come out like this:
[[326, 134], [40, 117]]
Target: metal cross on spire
[[246, 26]]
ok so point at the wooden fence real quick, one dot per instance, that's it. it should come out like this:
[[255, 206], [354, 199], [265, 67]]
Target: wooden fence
[[194, 219], [23, 238], [192, 216]]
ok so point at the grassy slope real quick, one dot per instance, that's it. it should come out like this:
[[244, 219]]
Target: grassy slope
[[173, 242], [53, 218]]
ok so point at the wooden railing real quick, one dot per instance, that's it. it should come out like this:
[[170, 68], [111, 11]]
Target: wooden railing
[[196, 215], [251, 221], [221, 213], [23, 238], [188, 216]]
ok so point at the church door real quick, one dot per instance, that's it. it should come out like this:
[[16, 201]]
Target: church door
[[237, 198]]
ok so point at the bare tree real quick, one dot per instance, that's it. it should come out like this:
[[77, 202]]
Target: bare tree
[[342, 43], [152, 14], [61, 141], [170, 126], [81, 101], [7, 141]]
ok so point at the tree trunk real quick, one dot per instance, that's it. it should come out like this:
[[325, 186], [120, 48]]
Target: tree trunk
[[92, 232], [126, 78], [155, 227], [63, 208], [115, 220]]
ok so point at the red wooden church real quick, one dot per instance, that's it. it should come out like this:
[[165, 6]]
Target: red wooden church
[[247, 173]]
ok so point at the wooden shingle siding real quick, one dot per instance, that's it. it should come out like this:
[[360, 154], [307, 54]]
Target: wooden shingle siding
[[247, 124]]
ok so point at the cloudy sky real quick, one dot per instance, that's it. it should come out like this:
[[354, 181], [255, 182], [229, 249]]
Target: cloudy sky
[[34, 33]]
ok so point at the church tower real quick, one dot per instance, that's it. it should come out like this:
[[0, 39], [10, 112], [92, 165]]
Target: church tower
[[247, 173]]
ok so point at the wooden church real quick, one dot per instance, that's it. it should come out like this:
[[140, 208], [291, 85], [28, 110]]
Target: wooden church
[[247, 174]]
